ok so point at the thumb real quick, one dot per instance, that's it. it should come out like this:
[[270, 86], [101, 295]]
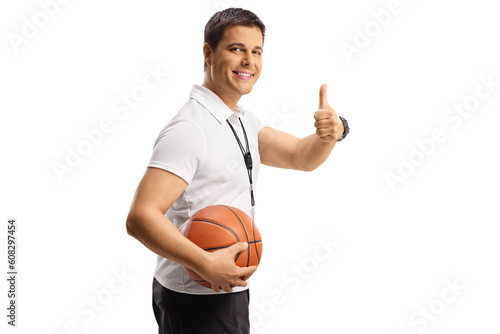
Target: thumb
[[323, 101], [238, 247]]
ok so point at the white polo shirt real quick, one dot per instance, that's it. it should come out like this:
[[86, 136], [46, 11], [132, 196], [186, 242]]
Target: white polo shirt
[[199, 146]]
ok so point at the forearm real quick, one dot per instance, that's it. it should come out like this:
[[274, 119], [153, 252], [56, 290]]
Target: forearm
[[157, 233], [282, 150], [311, 152]]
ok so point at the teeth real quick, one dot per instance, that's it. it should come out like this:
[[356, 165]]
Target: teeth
[[244, 74]]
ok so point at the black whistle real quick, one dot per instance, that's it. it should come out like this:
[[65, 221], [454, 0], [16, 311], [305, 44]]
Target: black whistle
[[248, 160]]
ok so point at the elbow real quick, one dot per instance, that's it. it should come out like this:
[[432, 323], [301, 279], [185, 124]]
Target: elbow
[[307, 167], [131, 224], [137, 221]]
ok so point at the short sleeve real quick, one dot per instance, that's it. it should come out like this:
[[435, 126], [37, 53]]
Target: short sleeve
[[257, 124], [179, 149]]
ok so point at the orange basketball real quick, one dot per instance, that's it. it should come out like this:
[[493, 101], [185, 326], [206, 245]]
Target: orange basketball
[[220, 226]]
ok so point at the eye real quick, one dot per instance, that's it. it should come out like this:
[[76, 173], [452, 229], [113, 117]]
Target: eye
[[235, 49], [258, 52]]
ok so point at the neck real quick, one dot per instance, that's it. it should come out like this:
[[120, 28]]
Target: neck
[[229, 100]]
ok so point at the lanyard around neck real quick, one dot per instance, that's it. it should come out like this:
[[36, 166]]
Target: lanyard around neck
[[247, 157]]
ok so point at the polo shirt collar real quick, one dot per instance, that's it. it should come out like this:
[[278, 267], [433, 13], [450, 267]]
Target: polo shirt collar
[[214, 104]]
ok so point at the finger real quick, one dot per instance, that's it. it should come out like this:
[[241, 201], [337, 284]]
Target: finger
[[323, 101], [323, 132], [327, 139], [323, 124], [227, 288], [247, 271], [238, 247], [321, 114], [329, 112], [215, 288], [239, 282]]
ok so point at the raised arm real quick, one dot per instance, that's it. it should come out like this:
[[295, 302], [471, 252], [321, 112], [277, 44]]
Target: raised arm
[[280, 149], [147, 222]]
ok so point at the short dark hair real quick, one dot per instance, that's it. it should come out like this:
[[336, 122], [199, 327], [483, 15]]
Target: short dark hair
[[215, 27]]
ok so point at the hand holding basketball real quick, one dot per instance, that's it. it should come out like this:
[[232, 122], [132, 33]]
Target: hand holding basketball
[[221, 271], [232, 243], [328, 125]]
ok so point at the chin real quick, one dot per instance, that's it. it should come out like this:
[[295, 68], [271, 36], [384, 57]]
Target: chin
[[246, 91]]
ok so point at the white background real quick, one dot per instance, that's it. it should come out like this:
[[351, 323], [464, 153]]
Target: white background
[[397, 247]]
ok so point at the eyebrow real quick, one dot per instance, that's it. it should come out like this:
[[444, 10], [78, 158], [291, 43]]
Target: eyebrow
[[243, 46]]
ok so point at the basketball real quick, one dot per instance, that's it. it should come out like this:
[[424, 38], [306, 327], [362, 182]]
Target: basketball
[[220, 226]]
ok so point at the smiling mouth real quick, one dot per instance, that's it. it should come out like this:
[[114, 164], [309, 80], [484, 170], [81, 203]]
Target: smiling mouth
[[243, 75]]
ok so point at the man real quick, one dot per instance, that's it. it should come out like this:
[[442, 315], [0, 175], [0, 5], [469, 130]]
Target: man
[[200, 159]]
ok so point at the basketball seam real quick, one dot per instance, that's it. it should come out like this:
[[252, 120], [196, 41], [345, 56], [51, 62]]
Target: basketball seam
[[227, 228], [214, 248], [222, 247], [244, 229], [256, 251]]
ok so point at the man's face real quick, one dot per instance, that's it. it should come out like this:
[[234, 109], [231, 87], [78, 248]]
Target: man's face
[[237, 61]]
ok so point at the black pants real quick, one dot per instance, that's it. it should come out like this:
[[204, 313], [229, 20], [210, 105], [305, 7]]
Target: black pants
[[181, 313]]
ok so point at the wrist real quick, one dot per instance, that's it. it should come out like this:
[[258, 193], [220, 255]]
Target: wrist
[[198, 260]]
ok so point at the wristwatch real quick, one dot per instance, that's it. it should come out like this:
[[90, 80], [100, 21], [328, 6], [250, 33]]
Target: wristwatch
[[346, 128]]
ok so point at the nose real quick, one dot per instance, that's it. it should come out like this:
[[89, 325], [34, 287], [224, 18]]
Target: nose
[[247, 59]]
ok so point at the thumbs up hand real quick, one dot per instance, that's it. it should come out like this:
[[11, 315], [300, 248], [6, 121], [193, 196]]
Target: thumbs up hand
[[328, 125]]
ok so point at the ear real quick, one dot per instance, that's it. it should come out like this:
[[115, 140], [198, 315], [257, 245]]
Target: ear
[[207, 54]]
